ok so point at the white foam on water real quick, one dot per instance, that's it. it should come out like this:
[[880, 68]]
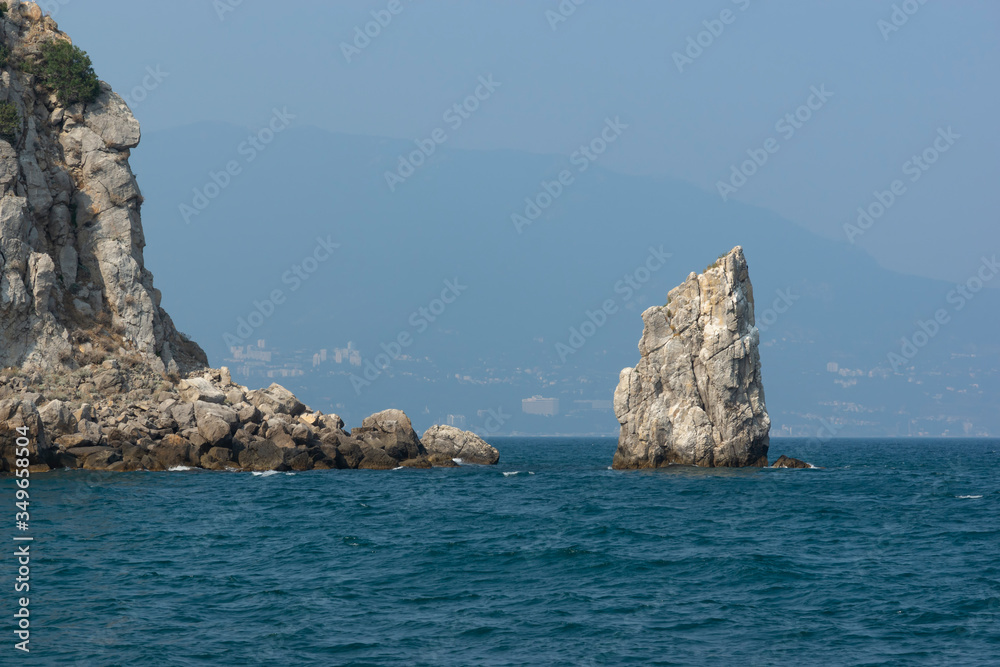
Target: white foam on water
[[508, 474], [458, 461], [179, 468], [399, 467], [289, 474], [266, 473], [968, 497]]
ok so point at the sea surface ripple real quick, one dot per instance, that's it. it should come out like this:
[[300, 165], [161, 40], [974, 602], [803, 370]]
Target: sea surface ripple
[[887, 555]]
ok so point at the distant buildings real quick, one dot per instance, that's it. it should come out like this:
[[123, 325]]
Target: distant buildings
[[536, 405]]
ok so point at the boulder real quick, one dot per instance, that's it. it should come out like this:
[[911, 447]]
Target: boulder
[[199, 389], [17, 413], [262, 455], [217, 458], [458, 444], [173, 451], [789, 462], [276, 400], [390, 431], [696, 396], [349, 453], [102, 460], [377, 459], [58, 418]]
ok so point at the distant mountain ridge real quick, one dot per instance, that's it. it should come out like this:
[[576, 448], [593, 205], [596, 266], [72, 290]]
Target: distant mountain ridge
[[820, 303]]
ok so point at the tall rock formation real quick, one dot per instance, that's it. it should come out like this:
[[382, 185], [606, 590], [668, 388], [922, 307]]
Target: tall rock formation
[[696, 396], [73, 284]]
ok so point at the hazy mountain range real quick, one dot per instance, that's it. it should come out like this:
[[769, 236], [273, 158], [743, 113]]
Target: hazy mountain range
[[312, 216]]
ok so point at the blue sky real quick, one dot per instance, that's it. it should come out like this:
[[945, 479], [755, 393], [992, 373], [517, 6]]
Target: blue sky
[[892, 91]]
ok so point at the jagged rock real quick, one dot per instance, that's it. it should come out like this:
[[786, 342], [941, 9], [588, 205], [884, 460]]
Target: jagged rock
[[458, 444], [70, 227], [789, 462], [696, 396]]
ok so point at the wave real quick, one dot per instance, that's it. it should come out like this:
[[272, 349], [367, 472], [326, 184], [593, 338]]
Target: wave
[[266, 473], [179, 468], [968, 497], [516, 472]]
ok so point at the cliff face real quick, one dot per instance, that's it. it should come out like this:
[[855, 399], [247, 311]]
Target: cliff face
[[73, 284], [696, 395]]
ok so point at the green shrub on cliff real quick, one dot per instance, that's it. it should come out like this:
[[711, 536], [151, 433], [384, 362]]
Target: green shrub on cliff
[[4, 55], [66, 69], [10, 121], [3, 8]]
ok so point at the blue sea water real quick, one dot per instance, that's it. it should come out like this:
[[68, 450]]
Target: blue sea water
[[888, 555]]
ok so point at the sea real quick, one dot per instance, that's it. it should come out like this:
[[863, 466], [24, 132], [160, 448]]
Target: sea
[[886, 553]]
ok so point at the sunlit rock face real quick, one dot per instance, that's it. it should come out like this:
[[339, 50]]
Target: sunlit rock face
[[696, 396]]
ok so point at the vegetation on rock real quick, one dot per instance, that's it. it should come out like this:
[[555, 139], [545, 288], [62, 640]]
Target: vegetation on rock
[[10, 121], [66, 70]]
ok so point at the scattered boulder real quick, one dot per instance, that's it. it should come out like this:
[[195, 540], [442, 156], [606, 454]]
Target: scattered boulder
[[696, 396], [458, 444]]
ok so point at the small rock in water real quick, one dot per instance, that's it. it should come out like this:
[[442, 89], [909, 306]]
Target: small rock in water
[[789, 462]]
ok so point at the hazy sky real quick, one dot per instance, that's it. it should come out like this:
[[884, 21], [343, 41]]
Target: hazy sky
[[889, 91]]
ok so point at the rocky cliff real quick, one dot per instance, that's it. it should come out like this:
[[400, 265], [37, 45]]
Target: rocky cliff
[[73, 284], [696, 395]]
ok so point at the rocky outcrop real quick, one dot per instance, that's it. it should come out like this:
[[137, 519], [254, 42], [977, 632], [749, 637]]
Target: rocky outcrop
[[455, 443], [95, 374], [141, 422], [73, 283], [789, 462], [696, 395]]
